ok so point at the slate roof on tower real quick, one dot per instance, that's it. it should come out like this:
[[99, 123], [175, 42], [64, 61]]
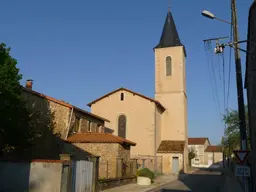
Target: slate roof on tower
[[170, 37], [128, 90]]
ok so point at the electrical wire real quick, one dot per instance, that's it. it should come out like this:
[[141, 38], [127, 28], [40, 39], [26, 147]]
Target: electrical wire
[[212, 76], [229, 68], [224, 81]]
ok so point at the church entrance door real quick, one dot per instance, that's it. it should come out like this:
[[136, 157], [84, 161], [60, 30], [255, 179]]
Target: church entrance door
[[175, 164]]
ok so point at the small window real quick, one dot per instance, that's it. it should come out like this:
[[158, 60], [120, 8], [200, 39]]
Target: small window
[[77, 124], [122, 126], [90, 127], [122, 96], [168, 66]]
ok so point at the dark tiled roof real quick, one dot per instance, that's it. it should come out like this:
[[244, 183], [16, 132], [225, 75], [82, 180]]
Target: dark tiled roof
[[128, 90], [169, 37], [197, 141], [98, 138], [63, 103], [167, 146], [213, 149]]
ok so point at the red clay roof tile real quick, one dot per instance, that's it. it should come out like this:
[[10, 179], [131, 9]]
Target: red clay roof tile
[[98, 138], [197, 141], [167, 146], [213, 149]]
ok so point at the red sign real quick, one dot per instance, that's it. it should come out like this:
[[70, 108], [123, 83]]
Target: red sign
[[241, 155]]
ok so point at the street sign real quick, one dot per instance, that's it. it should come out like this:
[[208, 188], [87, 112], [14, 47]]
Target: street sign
[[242, 171], [241, 155]]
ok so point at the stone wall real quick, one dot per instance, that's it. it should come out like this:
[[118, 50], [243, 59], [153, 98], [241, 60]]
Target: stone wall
[[58, 115], [86, 123], [110, 156], [108, 153], [51, 113], [54, 123], [167, 162], [124, 152]]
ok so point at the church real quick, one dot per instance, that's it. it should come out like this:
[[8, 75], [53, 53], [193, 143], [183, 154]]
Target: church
[[158, 125]]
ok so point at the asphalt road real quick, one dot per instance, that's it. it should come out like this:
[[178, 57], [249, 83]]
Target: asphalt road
[[202, 181]]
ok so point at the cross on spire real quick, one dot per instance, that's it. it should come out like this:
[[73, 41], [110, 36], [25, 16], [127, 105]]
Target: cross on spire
[[169, 5]]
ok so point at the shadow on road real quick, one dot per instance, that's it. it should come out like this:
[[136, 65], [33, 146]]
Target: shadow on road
[[204, 180]]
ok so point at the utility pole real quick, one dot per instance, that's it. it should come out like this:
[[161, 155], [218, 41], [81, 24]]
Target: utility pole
[[240, 96], [239, 81]]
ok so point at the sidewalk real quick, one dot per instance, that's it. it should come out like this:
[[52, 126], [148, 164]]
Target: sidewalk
[[159, 181], [231, 184]]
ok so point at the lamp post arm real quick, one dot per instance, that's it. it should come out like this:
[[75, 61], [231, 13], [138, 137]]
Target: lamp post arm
[[223, 20]]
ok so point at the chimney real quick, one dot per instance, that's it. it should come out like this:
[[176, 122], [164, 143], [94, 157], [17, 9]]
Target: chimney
[[29, 84]]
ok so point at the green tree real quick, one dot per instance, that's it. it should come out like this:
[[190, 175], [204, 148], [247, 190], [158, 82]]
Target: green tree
[[17, 130], [231, 140], [191, 155]]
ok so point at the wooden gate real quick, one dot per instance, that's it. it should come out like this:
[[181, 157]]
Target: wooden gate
[[82, 175]]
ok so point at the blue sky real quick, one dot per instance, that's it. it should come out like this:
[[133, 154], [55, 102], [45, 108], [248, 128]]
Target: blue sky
[[77, 51]]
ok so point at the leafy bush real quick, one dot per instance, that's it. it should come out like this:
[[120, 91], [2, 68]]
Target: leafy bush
[[145, 172]]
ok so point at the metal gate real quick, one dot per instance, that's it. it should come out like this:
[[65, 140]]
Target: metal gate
[[82, 174]]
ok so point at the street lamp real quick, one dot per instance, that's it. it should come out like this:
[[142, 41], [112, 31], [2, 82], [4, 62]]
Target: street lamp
[[239, 81], [210, 15], [240, 95]]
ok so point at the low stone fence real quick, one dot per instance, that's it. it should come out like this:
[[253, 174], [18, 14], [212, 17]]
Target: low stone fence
[[117, 169], [38, 175], [148, 161], [63, 175], [116, 182]]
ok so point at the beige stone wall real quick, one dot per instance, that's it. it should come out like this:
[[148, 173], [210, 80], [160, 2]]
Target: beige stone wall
[[51, 113], [207, 143], [58, 116], [124, 152], [215, 157], [109, 154], [175, 82], [54, 121], [140, 117], [158, 126], [167, 162], [171, 92], [200, 154], [218, 157], [87, 123]]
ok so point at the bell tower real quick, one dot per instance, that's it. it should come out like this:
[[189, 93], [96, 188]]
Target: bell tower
[[170, 81], [170, 84]]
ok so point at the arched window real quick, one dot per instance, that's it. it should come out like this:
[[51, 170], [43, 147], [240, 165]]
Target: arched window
[[122, 126], [168, 66], [122, 96]]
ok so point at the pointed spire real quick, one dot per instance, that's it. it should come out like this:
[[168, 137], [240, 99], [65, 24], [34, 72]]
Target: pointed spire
[[170, 37]]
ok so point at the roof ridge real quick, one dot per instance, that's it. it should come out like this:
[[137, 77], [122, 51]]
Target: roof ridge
[[128, 90], [62, 103]]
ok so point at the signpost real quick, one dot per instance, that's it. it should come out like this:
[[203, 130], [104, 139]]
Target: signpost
[[241, 155], [242, 170]]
